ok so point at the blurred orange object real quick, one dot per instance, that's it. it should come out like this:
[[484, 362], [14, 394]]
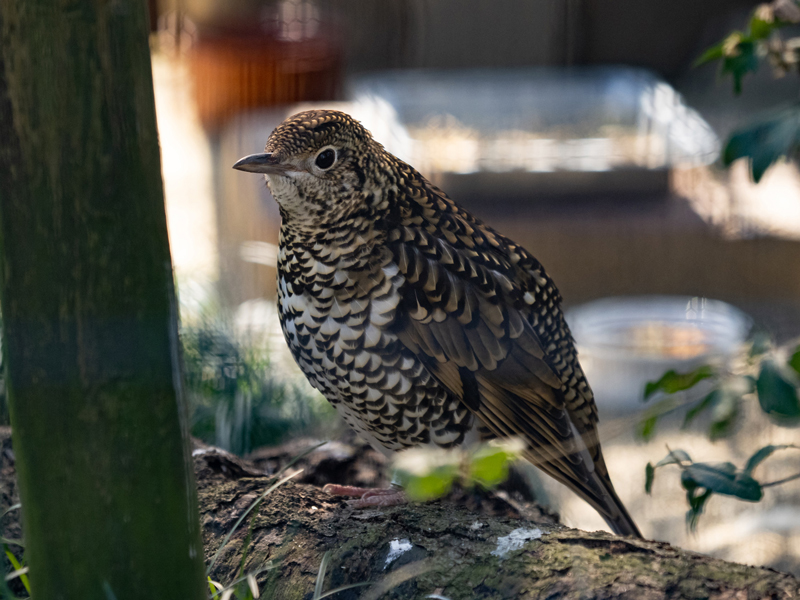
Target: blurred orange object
[[234, 72]]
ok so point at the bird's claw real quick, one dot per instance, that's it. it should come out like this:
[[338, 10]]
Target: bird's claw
[[367, 497]]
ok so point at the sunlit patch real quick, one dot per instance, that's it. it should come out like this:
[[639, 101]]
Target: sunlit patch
[[397, 548], [515, 540]]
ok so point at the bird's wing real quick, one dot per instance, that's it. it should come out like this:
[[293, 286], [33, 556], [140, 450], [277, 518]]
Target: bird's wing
[[487, 321]]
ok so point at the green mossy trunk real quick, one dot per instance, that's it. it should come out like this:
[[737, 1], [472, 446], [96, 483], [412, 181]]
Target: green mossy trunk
[[90, 331]]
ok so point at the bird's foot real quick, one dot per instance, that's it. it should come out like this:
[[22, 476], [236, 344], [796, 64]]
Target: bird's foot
[[368, 497]]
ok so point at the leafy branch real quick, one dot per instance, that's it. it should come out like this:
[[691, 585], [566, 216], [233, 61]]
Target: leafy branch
[[702, 480], [773, 378], [426, 473], [774, 136], [767, 375]]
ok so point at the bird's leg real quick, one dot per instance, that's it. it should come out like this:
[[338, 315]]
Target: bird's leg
[[367, 497]]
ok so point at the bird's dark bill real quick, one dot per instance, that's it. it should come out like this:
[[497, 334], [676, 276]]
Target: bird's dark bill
[[260, 163]]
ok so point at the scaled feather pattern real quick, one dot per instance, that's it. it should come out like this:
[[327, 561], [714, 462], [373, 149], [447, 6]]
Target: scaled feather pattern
[[418, 322]]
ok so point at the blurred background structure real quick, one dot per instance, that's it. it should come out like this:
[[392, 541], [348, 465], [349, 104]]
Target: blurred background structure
[[576, 127]]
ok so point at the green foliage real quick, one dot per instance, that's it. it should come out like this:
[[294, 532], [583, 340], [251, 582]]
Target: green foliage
[[702, 480], [669, 384], [427, 473], [777, 387], [778, 392], [722, 478], [237, 400], [738, 55], [488, 465], [723, 404], [672, 382], [430, 485], [19, 570], [794, 360], [765, 141], [777, 136]]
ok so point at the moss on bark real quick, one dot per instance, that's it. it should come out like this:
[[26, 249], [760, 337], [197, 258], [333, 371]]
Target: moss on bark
[[452, 551]]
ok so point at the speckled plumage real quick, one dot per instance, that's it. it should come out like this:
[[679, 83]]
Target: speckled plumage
[[418, 322]]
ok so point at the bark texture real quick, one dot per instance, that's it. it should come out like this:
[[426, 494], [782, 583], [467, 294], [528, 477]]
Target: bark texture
[[449, 548], [90, 339], [458, 550]]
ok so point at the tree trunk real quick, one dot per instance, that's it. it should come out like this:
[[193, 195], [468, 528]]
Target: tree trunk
[[445, 550], [90, 330]]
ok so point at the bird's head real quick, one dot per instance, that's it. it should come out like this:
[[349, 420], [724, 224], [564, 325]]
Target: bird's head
[[320, 166]]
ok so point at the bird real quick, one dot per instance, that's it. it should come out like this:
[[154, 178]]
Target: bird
[[420, 324]]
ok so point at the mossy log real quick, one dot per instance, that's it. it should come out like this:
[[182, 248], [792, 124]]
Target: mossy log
[[446, 550], [441, 549]]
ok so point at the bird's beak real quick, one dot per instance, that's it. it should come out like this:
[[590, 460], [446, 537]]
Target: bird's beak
[[266, 163]]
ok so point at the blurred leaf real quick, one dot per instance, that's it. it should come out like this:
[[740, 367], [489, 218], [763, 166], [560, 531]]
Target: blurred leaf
[[672, 381], [722, 478], [253, 585], [777, 392], [697, 498], [323, 567], [435, 484], [647, 428], [726, 409], [649, 476], [19, 570], [213, 586], [713, 53], [760, 344], [489, 465], [739, 59], [762, 455], [698, 408], [675, 457], [765, 141], [761, 28], [794, 360]]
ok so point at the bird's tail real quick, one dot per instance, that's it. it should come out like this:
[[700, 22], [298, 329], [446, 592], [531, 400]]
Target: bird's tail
[[615, 514], [593, 485]]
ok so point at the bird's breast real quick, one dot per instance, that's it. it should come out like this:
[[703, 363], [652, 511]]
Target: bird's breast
[[337, 319]]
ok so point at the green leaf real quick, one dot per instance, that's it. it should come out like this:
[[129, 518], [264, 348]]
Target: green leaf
[[213, 586], [20, 571], [713, 53], [777, 392], [725, 410], [765, 141], [432, 485], [489, 466], [722, 478], [794, 360], [672, 381], [739, 61], [647, 428], [649, 476], [697, 498], [698, 408], [760, 344], [759, 28], [762, 455], [675, 457], [323, 567]]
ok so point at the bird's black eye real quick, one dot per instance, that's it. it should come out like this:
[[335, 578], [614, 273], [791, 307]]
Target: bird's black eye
[[325, 159]]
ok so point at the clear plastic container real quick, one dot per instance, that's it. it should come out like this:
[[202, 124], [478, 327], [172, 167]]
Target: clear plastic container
[[625, 342], [536, 120]]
